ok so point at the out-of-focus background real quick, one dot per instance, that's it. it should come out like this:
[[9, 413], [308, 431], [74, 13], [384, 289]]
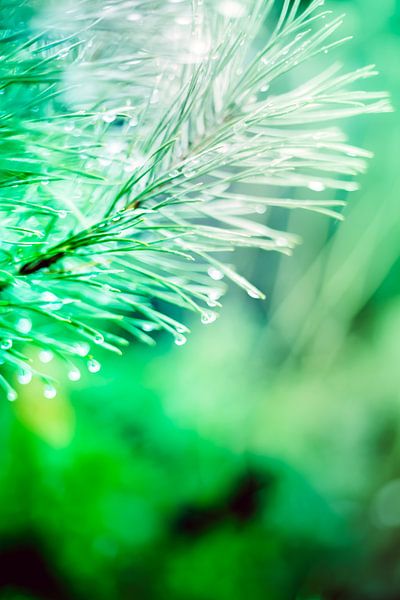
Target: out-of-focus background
[[262, 459]]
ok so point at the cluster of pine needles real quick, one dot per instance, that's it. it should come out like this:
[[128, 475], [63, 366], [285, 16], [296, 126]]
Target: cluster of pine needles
[[142, 141]]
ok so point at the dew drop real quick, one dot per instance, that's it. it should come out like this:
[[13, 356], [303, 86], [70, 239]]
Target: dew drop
[[50, 391], [24, 325], [180, 340], [188, 171], [12, 395], [214, 295], [109, 117], [6, 344], [25, 377], [74, 374], [215, 274], [212, 303], [94, 366], [82, 348], [208, 317], [46, 356], [98, 338], [316, 186]]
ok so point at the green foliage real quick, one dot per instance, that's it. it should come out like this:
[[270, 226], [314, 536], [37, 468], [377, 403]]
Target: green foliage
[[139, 145]]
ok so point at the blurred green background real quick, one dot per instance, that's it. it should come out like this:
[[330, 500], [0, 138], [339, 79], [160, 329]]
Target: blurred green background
[[262, 459]]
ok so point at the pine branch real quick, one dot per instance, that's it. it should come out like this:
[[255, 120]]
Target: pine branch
[[140, 141]]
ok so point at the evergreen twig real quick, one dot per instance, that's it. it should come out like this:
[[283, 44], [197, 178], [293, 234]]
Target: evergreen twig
[[141, 139]]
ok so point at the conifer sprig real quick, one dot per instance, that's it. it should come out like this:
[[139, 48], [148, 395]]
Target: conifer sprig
[[141, 142]]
